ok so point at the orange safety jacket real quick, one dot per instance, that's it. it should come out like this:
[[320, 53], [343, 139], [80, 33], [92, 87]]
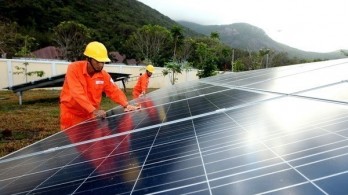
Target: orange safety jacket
[[81, 94], [141, 86]]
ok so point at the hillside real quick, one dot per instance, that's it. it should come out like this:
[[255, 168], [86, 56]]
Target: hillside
[[111, 20], [248, 37]]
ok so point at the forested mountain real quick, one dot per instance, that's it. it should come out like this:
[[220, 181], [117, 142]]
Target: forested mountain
[[248, 37], [111, 20]]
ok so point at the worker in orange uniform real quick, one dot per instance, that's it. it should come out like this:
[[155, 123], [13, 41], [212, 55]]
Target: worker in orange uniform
[[143, 82], [84, 83]]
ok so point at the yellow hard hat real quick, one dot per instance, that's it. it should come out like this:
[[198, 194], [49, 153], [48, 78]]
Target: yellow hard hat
[[97, 51], [150, 68]]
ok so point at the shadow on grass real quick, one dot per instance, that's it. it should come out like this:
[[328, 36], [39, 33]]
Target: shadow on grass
[[54, 100], [19, 135]]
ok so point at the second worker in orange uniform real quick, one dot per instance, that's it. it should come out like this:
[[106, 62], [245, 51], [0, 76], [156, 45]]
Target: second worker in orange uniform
[[143, 82]]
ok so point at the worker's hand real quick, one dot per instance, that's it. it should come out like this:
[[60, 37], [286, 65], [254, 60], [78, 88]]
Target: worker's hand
[[131, 108], [142, 94], [99, 113]]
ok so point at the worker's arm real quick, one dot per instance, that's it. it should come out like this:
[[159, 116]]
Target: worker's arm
[[116, 94]]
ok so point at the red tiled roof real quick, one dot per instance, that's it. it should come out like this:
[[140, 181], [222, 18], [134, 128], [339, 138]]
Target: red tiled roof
[[117, 57], [49, 52]]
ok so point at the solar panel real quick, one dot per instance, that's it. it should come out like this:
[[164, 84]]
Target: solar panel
[[272, 131]]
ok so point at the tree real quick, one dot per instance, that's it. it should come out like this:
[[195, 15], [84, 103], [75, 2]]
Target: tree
[[207, 60], [238, 66], [173, 68], [262, 54], [178, 37], [26, 43], [216, 49], [24, 71], [71, 38], [280, 59], [185, 50], [8, 38], [215, 35], [223, 56], [149, 42]]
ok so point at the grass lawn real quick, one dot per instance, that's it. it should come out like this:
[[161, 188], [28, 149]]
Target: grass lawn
[[35, 119]]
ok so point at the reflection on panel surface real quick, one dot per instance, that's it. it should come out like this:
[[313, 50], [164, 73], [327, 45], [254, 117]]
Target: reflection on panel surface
[[337, 92], [239, 133]]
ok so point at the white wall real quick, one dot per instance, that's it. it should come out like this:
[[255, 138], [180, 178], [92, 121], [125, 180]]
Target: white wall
[[52, 68]]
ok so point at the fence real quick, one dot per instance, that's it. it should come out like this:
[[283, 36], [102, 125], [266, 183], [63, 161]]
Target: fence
[[53, 68]]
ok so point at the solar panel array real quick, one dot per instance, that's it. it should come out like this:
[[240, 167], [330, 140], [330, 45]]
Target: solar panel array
[[272, 131]]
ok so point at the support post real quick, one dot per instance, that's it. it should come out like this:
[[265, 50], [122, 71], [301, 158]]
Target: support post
[[19, 94]]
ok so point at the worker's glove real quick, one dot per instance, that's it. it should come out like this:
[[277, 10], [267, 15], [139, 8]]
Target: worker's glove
[[99, 113], [131, 108]]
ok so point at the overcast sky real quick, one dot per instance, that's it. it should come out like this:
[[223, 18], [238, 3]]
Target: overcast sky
[[310, 25]]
